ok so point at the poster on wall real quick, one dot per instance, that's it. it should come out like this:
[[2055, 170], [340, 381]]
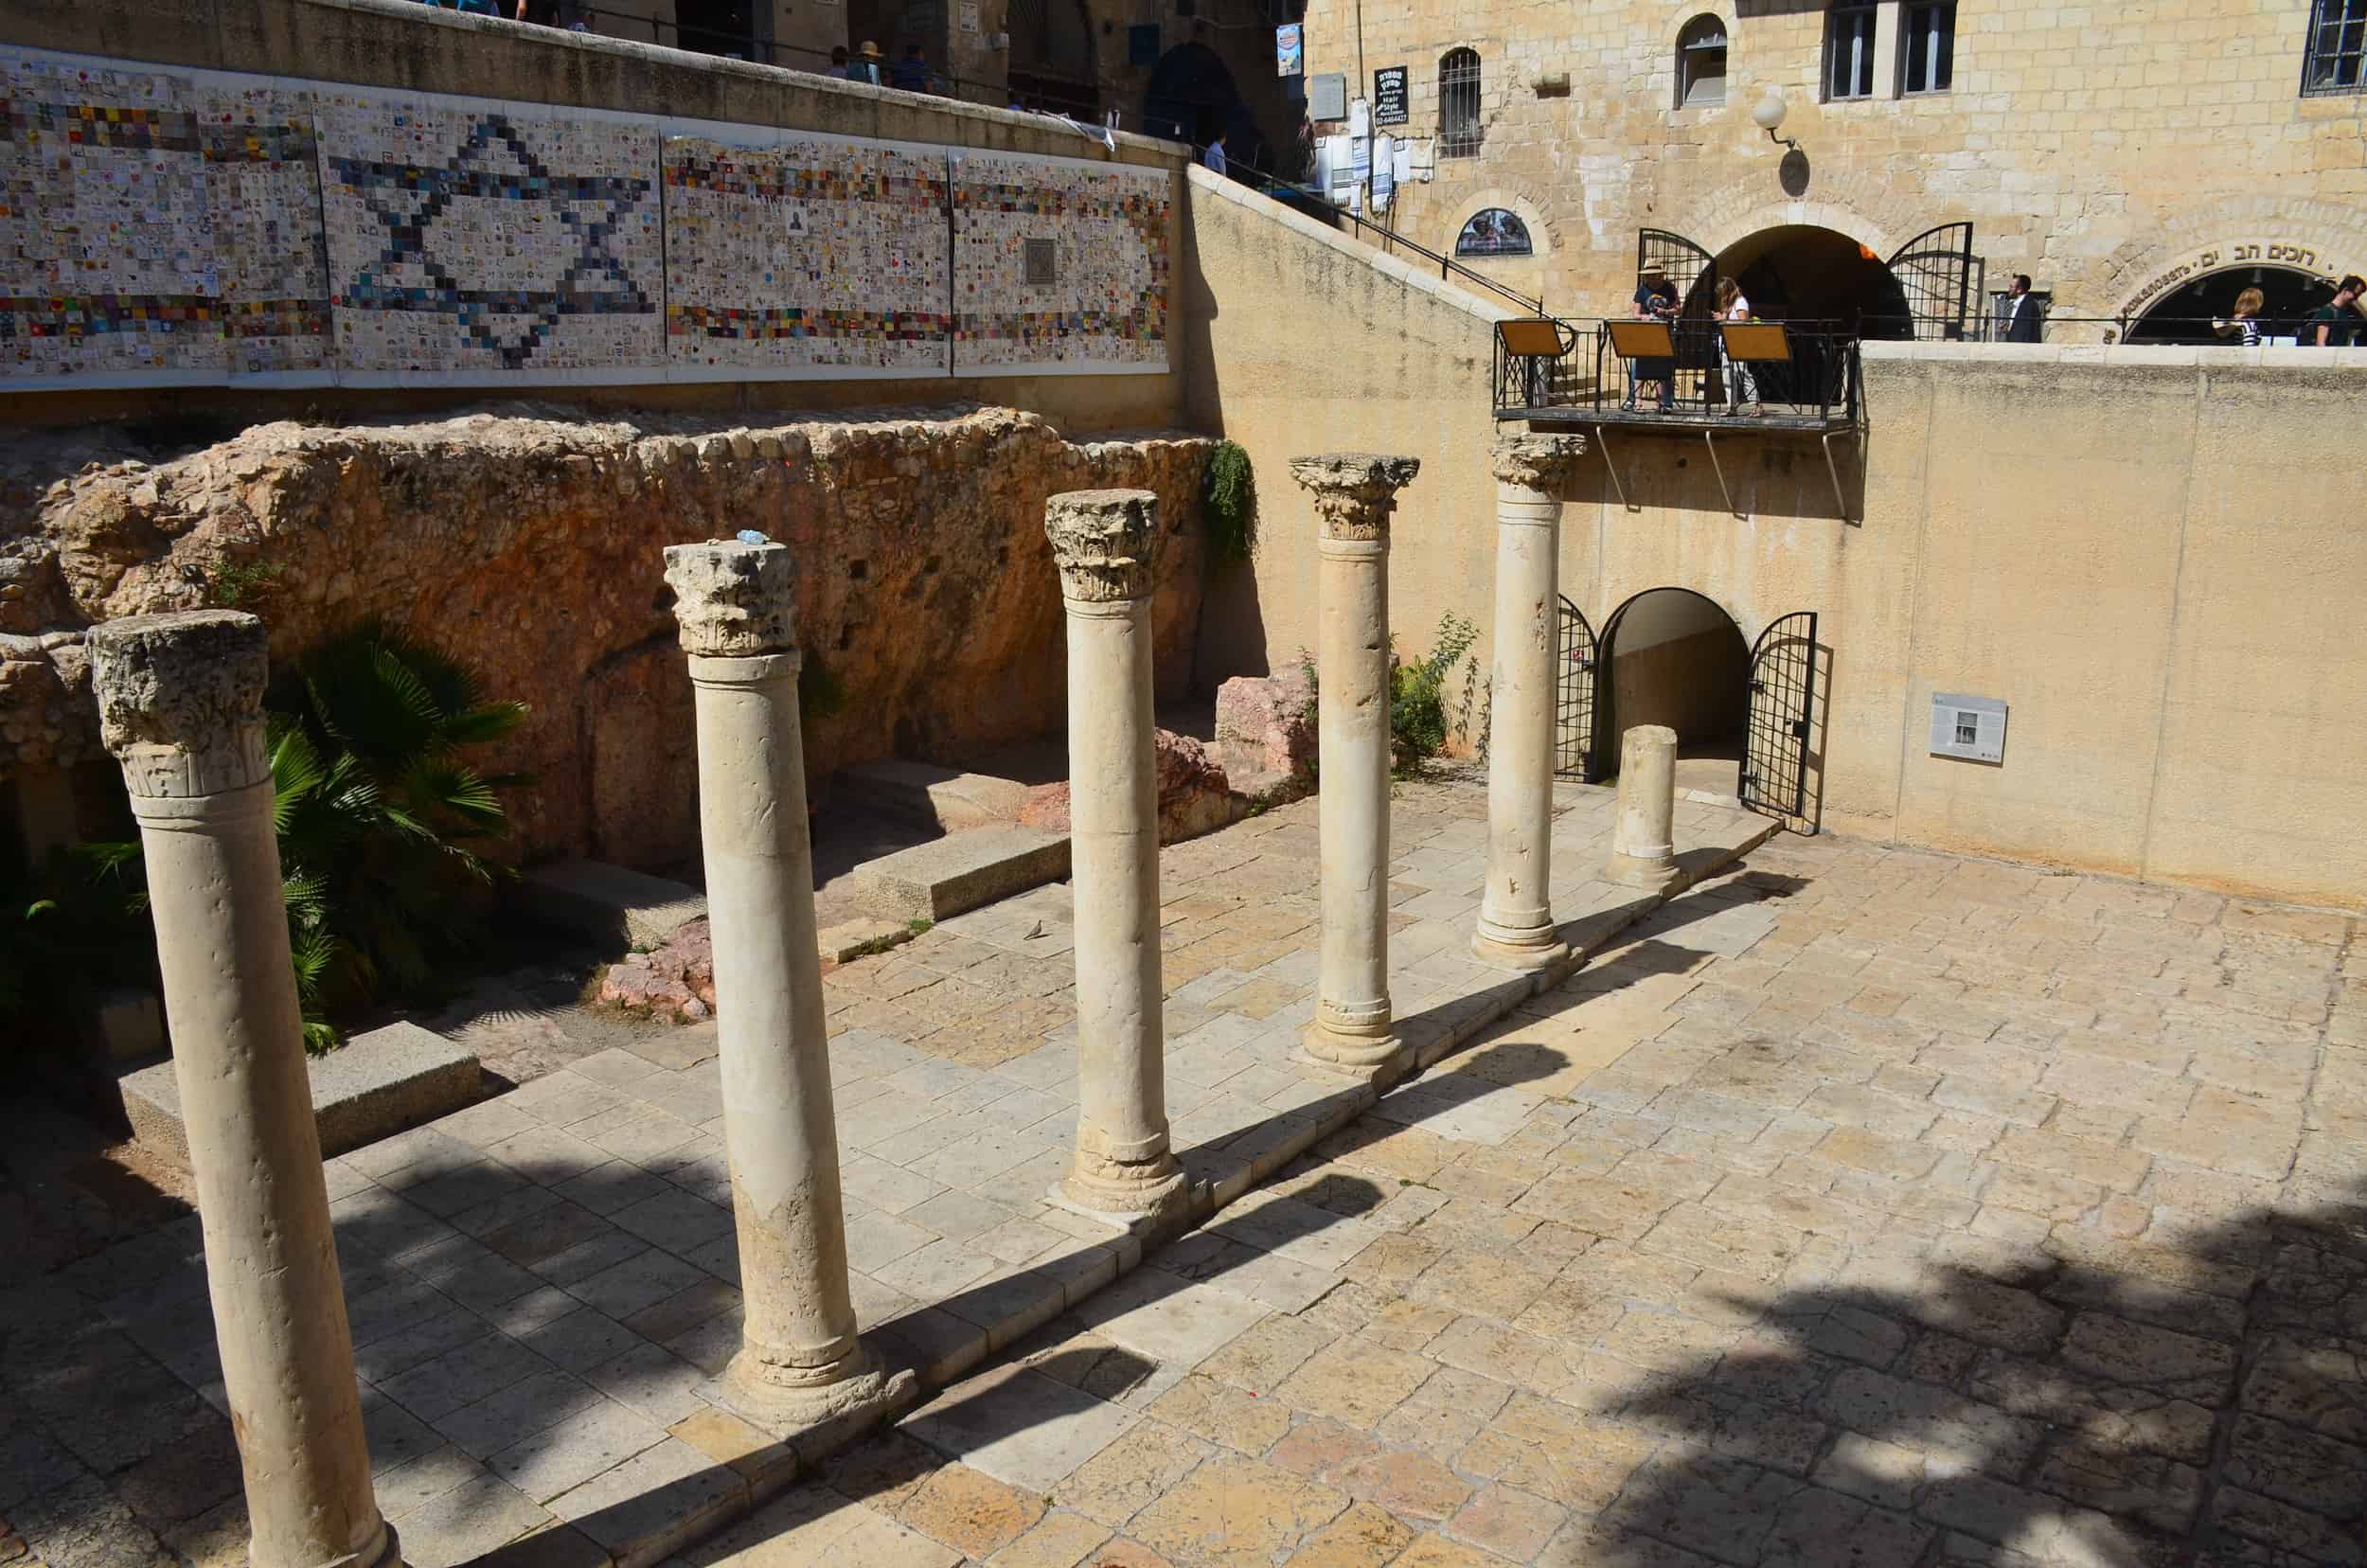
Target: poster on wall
[[1389, 95], [1384, 173], [1289, 52]]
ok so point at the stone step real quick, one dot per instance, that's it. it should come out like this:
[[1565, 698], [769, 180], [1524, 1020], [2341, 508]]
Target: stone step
[[961, 871], [939, 797], [609, 903], [376, 1085]]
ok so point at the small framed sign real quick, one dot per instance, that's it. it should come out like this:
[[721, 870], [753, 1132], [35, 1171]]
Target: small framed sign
[[1289, 50], [1389, 95]]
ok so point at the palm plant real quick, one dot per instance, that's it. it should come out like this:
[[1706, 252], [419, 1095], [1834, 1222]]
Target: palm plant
[[378, 813]]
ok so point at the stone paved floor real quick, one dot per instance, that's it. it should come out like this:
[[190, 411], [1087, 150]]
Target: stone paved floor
[[1866, 1208], [543, 1285]]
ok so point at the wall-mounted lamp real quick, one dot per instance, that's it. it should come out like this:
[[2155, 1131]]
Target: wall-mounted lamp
[[1769, 112]]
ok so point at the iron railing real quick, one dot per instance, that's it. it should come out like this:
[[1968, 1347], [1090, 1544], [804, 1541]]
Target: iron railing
[[1822, 381]]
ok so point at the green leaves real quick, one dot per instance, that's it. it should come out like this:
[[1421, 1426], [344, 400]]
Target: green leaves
[[1418, 709], [1229, 504]]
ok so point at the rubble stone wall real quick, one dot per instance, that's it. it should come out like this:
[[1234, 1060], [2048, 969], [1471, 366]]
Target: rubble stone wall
[[527, 542]]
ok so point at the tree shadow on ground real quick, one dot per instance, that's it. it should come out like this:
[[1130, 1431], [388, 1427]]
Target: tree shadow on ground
[[2191, 1397]]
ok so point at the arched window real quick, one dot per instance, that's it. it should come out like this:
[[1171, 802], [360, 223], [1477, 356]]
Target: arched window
[[1701, 63], [1494, 232], [1459, 104]]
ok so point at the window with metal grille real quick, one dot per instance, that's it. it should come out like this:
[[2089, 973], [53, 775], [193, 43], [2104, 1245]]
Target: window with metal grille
[[2336, 58], [1849, 49], [1928, 47], [1701, 63], [1459, 104]]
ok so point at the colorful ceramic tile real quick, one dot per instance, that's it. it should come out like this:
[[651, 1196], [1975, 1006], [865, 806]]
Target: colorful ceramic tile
[[1058, 264]]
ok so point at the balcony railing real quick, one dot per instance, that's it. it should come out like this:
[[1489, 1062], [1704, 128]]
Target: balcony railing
[[1551, 370]]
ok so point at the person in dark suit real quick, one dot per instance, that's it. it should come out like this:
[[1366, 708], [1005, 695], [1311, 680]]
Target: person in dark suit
[[2023, 315]]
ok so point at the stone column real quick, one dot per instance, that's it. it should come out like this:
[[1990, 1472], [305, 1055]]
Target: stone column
[[1355, 493], [1105, 543], [1516, 919], [799, 1361], [181, 707], [1643, 837]]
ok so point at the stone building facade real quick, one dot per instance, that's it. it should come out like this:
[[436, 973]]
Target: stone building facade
[[2117, 153]]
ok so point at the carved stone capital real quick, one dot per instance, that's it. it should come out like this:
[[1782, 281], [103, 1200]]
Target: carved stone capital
[[1355, 491], [1105, 542], [181, 701], [1540, 463], [734, 600]]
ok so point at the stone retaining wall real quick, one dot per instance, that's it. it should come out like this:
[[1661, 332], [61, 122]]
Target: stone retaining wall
[[527, 542]]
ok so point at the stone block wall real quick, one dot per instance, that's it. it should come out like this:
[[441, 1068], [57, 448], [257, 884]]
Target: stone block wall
[[2096, 148], [529, 546]]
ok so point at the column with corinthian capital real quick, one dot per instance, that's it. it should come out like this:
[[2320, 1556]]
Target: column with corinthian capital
[[1355, 493], [799, 1363], [1516, 918], [181, 707], [1105, 544]]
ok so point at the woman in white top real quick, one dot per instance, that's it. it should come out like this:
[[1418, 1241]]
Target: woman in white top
[[1733, 307]]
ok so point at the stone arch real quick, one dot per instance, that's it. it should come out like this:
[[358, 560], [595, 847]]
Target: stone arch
[[2331, 237], [1868, 210]]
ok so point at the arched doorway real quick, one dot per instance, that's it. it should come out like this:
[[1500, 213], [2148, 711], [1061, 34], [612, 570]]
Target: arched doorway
[[1797, 272], [1192, 98], [2185, 314], [1670, 657]]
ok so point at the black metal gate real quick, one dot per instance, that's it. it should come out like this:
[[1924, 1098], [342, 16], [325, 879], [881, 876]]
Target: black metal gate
[[1774, 773], [1694, 270], [1934, 271], [1574, 696]]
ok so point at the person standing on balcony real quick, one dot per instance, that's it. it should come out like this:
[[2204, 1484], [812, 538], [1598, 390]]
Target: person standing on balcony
[[2335, 325], [839, 67], [1655, 300], [2244, 320], [1739, 378], [867, 67], [1214, 154], [2023, 317], [911, 73]]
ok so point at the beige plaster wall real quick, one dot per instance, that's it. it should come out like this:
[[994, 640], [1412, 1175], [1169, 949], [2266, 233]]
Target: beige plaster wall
[[2137, 550], [1296, 341], [2099, 147]]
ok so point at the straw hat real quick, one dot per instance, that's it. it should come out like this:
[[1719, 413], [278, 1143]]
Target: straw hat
[[1651, 270], [870, 50]]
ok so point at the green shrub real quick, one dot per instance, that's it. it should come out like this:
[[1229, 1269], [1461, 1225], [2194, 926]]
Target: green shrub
[[1418, 708], [1229, 504], [69, 929]]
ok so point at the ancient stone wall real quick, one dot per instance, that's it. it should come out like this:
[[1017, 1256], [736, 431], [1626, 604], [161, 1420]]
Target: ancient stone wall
[[527, 543]]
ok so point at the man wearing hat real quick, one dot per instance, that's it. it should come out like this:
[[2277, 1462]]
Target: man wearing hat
[[1655, 300], [867, 65]]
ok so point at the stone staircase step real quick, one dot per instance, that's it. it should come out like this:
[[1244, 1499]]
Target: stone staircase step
[[941, 797], [609, 903], [376, 1085], [959, 872]]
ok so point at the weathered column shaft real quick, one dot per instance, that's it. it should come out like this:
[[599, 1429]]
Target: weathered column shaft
[[1105, 543], [1355, 493], [1516, 919], [799, 1361], [180, 701], [1643, 847]]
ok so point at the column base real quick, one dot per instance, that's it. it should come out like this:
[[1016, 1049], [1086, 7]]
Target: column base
[[386, 1552], [1501, 946], [1654, 872], [1124, 1192], [847, 1396], [1358, 1054]]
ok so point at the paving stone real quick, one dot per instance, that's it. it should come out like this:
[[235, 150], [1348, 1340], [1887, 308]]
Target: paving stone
[[652, 1503], [564, 1456], [1124, 1477], [1019, 1426], [1235, 1509], [971, 1511], [466, 1522]]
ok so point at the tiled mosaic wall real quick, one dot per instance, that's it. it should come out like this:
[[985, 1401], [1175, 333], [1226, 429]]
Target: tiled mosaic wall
[[156, 227], [828, 255], [161, 227], [1097, 302]]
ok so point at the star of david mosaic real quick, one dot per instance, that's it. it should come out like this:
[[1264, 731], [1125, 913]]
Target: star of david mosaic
[[429, 212]]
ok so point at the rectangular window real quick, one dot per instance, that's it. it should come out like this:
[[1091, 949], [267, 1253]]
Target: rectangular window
[[2337, 49], [1849, 50], [1968, 728], [1930, 45]]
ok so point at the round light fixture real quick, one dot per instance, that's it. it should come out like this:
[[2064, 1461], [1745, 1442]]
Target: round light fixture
[[1769, 112]]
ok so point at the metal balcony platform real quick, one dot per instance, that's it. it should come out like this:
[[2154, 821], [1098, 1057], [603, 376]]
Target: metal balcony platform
[[1811, 421]]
